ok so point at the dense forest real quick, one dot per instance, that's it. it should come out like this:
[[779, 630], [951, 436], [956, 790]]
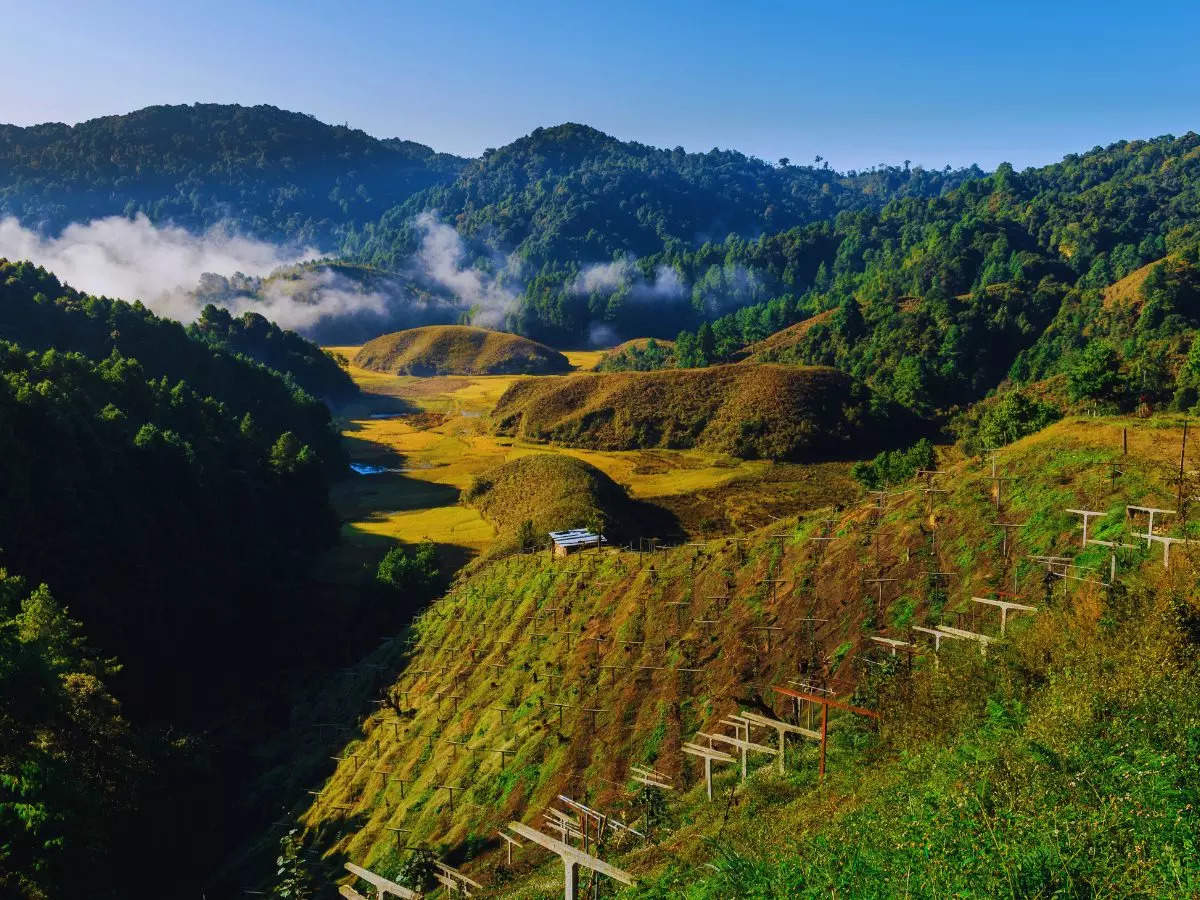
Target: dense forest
[[169, 494], [934, 302], [275, 174]]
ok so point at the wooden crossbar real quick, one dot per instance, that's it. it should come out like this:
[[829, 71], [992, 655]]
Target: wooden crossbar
[[826, 703], [457, 875], [382, 885], [572, 859], [1005, 607]]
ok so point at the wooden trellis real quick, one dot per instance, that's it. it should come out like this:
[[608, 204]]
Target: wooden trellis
[[825, 703]]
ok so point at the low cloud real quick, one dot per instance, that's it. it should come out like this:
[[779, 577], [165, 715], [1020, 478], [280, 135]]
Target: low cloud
[[442, 259], [175, 273], [607, 278]]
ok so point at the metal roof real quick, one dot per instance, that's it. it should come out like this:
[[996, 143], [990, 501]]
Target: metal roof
[[575, 537]]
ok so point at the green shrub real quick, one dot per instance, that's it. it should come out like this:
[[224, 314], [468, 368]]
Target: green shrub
[[406, 570], [894, 466]]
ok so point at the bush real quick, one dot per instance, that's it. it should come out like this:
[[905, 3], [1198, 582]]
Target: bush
[[894, 466], [1003, 421], [406, 570], [417, 870]]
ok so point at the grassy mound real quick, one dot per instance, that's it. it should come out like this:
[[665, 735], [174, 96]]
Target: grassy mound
[[771, 412], [458, 350], [528, 497]]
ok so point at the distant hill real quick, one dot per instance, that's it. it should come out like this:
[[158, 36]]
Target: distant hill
[[571, 192], [458, 350], [274, 174], [637, 354], [774, 412]]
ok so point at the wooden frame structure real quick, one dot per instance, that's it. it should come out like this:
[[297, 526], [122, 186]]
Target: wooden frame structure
[[1088, 515], [709, 755], [572, 859], [650, 777], [454, 880], [1151, 511], [781, 728], [1005, 606], [825, 702]]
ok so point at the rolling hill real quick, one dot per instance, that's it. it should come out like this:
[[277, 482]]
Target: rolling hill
[[772, 412], [458, 350]]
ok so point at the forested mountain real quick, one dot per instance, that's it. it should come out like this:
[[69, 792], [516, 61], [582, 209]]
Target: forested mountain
[[572, 194], [934, 302], [274, 174]]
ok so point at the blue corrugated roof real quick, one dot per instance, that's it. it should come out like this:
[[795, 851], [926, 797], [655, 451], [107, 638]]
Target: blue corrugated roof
[[576, 536]]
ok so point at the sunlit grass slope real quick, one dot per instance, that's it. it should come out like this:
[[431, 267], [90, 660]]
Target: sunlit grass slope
[[1064, 762], [773, 412]]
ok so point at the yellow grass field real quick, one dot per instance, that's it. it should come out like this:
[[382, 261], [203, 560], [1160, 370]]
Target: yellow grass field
[[437, 439]]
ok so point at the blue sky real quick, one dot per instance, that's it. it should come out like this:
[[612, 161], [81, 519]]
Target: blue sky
[[859, 84]]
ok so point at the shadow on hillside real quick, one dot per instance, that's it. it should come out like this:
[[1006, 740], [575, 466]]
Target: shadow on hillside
[[649, 520], [371, 406]]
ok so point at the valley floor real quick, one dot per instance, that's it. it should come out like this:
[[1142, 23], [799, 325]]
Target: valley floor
[[423, 440]]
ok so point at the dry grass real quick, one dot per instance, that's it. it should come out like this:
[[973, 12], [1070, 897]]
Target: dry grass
[[1127, 291], [708, 492], [772, 412], [458, 350]]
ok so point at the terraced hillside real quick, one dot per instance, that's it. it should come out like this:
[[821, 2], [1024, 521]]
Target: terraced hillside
[[1061, 761], [771, 412], [458, 350]]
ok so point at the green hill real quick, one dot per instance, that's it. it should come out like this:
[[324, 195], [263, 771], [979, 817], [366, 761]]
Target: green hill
[[772, 412], [1027, 771], [571, 192], [458, 350]]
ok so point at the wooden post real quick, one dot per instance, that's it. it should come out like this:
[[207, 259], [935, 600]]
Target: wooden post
[[1182, 453], [824, 738], [825, 702]]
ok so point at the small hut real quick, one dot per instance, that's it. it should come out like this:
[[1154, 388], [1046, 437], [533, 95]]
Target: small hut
[[564, 543]]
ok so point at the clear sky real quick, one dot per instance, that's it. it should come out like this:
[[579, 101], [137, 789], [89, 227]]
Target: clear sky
[[859, 83]]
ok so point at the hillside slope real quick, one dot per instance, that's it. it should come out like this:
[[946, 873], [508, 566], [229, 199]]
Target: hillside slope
[[773, 412], [956, 783], [458, 350]]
